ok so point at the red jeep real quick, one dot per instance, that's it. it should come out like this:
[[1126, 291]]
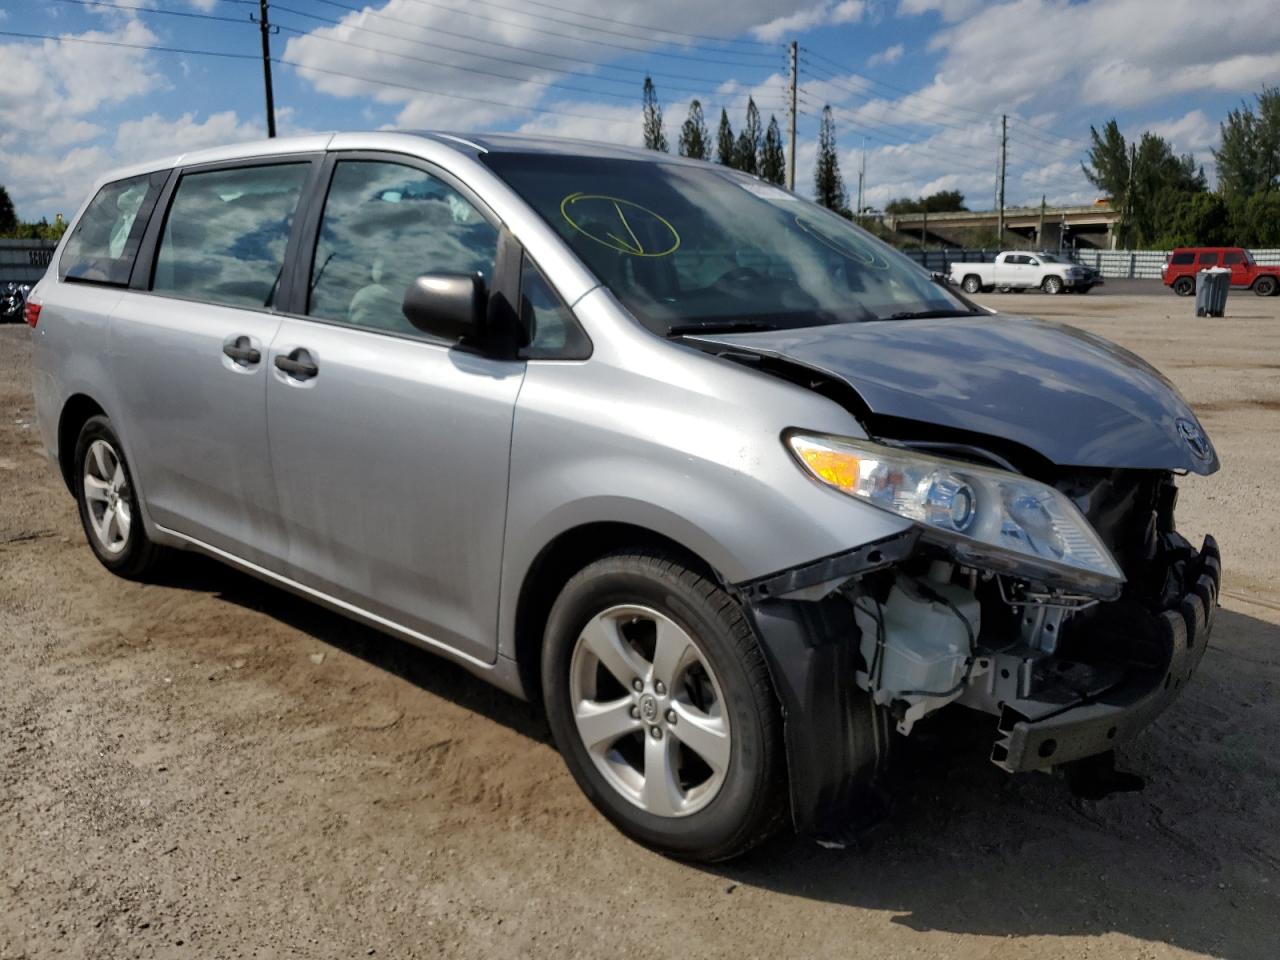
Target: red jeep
[[1180, 266]]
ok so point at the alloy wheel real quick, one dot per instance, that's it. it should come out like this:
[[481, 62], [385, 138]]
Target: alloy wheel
[[649, 710], [106, 493]]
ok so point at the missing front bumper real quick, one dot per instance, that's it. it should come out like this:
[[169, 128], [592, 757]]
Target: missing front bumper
[[1037, 734]]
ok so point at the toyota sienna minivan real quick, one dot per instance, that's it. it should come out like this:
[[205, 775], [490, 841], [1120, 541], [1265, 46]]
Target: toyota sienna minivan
[[734, 489]]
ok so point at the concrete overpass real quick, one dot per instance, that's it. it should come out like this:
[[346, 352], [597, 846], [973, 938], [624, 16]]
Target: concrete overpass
[[1032, 228]]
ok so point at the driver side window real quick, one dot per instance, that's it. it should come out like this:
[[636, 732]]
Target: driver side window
[[384, 224]]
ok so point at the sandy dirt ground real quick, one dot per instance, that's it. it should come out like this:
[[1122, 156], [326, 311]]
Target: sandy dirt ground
[[208, 767]]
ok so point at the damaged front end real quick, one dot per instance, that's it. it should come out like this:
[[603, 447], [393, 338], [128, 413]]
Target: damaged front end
[[865, 644]]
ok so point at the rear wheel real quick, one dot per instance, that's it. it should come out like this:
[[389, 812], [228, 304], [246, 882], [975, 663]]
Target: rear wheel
[[971, 284], [1265, 286], [1052, 285], [108, 503], [659, 699], [1184, 286]]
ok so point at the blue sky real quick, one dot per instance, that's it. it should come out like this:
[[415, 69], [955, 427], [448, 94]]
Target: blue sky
[[921, 82]]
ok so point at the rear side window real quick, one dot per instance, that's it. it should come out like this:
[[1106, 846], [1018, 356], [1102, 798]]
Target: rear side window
[[226, 233], [1208, 259], [1183, 258], [105, 242], [1233, 256]]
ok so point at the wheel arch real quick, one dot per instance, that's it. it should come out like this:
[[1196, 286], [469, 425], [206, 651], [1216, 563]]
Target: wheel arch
[[76, 412], [566, 554]]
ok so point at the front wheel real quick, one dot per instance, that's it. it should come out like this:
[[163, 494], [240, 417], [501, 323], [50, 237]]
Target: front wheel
[[108, 502], [1184, 286], [1264, 286], [1052, 285], [660, 702]]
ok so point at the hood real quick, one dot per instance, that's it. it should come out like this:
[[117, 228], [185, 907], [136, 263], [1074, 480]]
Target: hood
[[1074, 398]]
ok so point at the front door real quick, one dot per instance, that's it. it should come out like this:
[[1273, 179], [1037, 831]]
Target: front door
[[189, 357], [390, 449]]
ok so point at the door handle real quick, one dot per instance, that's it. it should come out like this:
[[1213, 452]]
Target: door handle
[[241, 350], [297, 364]]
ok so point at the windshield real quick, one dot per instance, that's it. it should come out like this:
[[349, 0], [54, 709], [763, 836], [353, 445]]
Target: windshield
[[684, 246], [1049, 258]]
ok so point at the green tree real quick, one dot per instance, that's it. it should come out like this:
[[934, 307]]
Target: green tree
[[1196, 219], [1146, 180], [1248, 155], [828, 185], [746, 151], [1255, 220], [944, 201], [1108, 166], [8, 216], [724, 140], [695, 141], [655, 138], [773, 159]]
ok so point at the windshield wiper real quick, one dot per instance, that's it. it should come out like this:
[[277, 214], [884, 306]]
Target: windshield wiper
[[723, 326], [928, 314]]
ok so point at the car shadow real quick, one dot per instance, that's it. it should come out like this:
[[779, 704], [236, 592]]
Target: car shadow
[[1192, 861], [427, 671]]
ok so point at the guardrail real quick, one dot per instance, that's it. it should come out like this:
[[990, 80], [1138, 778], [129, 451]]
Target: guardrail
[[1113, 264], [25, 261]]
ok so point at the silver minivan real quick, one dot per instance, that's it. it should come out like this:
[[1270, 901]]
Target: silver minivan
[[738, 491]]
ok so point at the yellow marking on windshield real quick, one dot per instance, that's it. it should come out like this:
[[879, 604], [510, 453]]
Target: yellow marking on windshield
[[613, 222]]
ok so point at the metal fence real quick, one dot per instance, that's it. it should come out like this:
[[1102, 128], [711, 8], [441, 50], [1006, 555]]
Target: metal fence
[[1114, 264], [24, 261]]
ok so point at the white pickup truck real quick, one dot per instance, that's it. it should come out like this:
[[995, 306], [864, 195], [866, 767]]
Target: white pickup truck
[[1024, 271]]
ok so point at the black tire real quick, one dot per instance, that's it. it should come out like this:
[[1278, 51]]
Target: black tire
[[750, 803], [1265, 286], [1184, 286], [139, 556], [1052, 285], [971, 284]]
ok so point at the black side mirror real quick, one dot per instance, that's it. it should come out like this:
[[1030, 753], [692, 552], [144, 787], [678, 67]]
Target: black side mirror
[[451, 306]]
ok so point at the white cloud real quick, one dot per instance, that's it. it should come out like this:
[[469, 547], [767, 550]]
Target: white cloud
[[887, 56], [951, 10], [1193, 132], [800, 21], [418, 57]]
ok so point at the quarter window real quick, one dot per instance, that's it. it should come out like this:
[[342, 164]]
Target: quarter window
[[550, 329], [385, 224], [225, 238], [105, 242], [1208, 259]]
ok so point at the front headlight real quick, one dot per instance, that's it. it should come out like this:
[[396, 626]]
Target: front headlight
[[1012, 522]]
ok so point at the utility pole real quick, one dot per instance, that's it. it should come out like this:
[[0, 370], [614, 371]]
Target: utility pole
[[264, 24], [862, 183], [1004, 159], [791, 116]]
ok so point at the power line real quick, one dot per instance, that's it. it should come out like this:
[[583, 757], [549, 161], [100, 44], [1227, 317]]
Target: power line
[[542, 68], [638, 71], [853, 122], [602, 43], [550, 84], [690, 36], [617, 33], [932, 112], [924, 119], [188, 15], [282, 61]]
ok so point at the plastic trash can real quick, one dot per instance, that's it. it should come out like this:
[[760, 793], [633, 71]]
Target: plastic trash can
[[1212, 287]]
